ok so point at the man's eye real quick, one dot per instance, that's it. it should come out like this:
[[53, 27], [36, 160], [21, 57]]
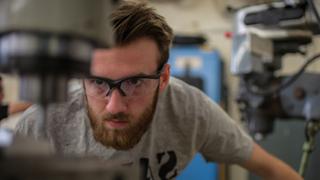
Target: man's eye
[[135, 81], [97, 82]]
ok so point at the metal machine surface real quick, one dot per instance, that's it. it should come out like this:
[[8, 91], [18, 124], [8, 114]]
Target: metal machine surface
[[46, 43], [29, 159], [263, 35]]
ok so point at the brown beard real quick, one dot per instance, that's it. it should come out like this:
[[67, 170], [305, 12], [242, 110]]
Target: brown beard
[[127, 138]]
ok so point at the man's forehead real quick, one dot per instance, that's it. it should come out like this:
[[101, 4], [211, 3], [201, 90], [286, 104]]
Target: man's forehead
[[139, 57], [141, 46], [122, 57]]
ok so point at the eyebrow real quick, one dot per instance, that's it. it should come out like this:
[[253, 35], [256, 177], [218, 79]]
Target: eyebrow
[[140, 75]]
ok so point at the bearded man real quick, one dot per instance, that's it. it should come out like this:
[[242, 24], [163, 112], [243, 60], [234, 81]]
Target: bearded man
[[130, 111]]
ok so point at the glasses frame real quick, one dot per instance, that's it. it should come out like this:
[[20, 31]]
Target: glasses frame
[[116, 84]]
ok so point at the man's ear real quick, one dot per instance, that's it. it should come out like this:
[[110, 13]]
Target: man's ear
[[165, 77]]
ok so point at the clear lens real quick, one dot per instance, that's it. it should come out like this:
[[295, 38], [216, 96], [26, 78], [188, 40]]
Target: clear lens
[[96, 87], [134, 87]]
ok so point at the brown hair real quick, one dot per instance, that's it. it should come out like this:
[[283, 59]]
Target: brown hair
[[133, 20]]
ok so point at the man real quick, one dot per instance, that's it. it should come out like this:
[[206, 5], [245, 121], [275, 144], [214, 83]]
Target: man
[[131, 112]]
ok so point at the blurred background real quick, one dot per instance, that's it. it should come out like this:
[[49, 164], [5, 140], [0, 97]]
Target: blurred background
[[207, 52]]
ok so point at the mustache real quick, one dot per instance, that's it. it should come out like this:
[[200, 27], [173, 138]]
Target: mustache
[[119, 116]]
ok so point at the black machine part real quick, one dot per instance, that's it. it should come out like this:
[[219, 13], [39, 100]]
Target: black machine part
[[273, 16], [47, 42], [289, 16], [45, 63], [300, 100]]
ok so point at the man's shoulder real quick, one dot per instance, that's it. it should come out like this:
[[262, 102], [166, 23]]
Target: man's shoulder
[[53, 113], [181, 91], [74, 103], [176, 84], [186, 101], [181, 100]]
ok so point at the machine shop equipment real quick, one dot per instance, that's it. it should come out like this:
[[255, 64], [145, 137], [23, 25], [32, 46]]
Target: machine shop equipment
[[263, 35], [46, 43]]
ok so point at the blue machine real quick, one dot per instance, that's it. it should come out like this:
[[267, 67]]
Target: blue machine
[[202, 69]]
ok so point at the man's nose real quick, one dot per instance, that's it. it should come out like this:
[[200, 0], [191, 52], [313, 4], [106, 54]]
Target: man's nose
[[116, 102]]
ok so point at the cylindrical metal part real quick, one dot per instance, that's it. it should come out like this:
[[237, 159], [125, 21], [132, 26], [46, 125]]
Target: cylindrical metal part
[[43, 89], [82, 18], [47, 42]]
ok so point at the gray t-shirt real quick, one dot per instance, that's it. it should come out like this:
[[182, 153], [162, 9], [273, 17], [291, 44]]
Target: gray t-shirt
[[186, 121]]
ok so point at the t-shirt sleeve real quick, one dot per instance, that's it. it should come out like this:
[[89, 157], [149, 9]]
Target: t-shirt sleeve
[[225, 140], [27, 124]]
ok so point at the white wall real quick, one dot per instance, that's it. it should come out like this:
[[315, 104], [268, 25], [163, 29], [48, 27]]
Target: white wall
[[11, 85], [11, 90]]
